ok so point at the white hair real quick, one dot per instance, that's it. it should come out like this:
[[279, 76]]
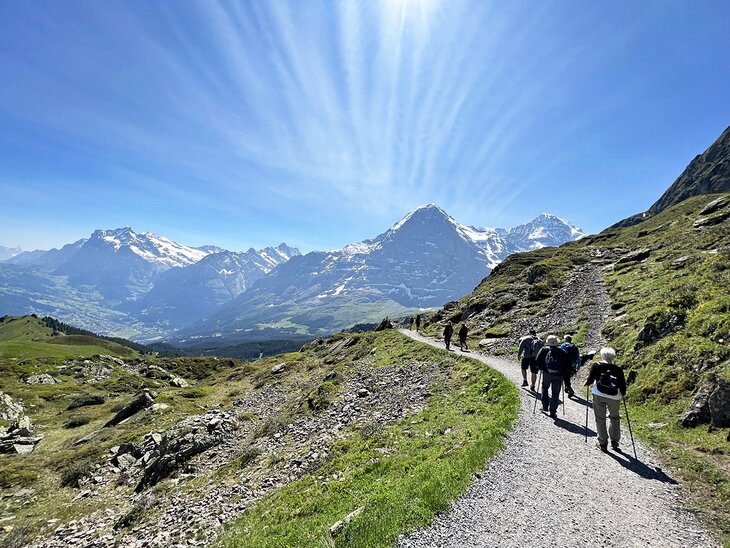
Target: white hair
[[608, 354]]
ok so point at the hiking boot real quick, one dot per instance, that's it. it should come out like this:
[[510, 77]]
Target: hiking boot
[[524, 383], [603, 447], [615, 446], [571, 394], [532, 387], [553, 415]]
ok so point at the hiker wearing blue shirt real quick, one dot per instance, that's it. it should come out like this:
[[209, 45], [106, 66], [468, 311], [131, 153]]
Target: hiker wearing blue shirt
[[554, 364], [571, 350]]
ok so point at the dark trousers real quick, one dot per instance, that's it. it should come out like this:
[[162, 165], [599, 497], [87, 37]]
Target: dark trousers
[[462, 344], [555, 384], [447, 340], [568, 388]]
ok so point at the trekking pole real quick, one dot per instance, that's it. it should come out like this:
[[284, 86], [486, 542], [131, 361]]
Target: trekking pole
[[562, 385], [534, 407], [628, 420], [587, 389]]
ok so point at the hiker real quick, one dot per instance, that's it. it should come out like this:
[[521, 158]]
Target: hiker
[[411, 321], [463, 332], [608, 390], [554, 364], [418, 322], [530, 345], [573, 353], [448, 332]]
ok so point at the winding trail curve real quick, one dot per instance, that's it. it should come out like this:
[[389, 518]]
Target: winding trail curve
[[549, 488]]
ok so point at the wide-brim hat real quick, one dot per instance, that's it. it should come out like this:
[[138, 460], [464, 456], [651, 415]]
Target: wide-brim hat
[[552, 340]]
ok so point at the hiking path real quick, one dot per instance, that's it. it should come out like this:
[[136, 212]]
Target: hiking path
[[548, 487]]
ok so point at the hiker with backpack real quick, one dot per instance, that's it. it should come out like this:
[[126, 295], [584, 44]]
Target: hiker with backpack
[[573, 353], [530, 345], [463, 332], [608, 391], [448, 332], [418, 322], [554, 364]]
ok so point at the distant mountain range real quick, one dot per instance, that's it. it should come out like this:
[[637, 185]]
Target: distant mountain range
[[424, 260], [145, 286]]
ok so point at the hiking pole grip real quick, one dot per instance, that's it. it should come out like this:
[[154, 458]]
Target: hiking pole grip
[[628, 421]]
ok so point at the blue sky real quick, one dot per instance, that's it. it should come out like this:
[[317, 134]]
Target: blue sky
[[322, 123]]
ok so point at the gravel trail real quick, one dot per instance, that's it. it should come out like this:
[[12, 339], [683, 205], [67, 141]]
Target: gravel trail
[[548, 487]]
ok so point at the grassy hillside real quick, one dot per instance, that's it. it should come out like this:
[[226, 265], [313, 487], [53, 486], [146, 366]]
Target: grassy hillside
[[667, 280], [24, 337], [400, 427]]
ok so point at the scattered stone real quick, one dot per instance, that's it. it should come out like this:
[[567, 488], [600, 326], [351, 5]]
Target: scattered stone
[[145, 399], [363, 393], [656, 425], [43, 378], [159, 407], [179, 382], [704, 222], [278, 368], [83, 401], [340, 525], [634, 257], [715, 205]]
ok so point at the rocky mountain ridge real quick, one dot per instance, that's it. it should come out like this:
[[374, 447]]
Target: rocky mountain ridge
[[425, 259]]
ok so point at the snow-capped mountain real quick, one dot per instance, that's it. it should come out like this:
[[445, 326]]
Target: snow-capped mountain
[[545, 230], [183, 295], [122, 264], [424, 260], [9, 252]]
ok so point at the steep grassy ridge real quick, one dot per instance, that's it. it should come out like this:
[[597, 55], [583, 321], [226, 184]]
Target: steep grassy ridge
[[668, 280]]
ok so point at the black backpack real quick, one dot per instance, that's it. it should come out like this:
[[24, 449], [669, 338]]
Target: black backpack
[[552, 362], [535, 347], [607, 382]]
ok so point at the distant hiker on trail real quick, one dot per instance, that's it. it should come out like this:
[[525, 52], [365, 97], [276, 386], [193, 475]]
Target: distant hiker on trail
[[608, 390], [530, 345], [411, 321], [463, 332], [554, 364], [448, 332], [573, 353], [418, 322]]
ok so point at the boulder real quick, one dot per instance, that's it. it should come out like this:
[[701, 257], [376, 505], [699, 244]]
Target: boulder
[[719, 404], [179, 382], [715, 205], [144, 400], [711, 221], [43, 378], [711, 405], [635, 256], [278, 368], [9, 410]]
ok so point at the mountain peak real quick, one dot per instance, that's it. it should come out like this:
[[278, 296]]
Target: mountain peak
[[424, 212]]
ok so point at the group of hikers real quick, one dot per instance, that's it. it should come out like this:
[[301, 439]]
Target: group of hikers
[[558, 363]]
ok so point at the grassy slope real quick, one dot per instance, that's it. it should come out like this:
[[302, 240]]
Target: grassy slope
[[683, 281], [434, 453], [24, 337], [430, 459]]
